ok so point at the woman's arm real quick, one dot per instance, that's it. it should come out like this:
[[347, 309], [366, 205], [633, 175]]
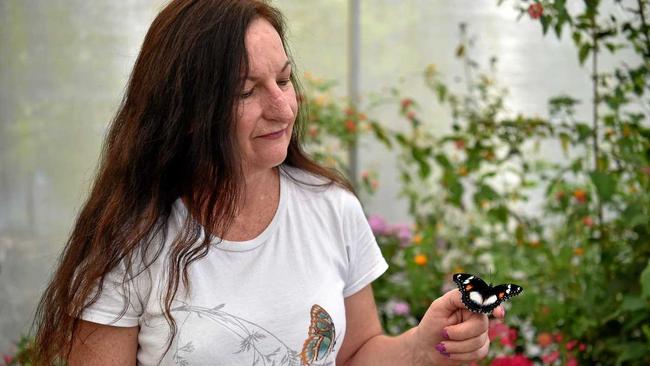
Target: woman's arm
[[447, 334], [103, 345]]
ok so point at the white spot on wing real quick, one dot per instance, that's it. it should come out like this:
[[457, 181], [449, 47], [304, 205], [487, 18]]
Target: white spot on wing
[[490, 300], [476, 297]]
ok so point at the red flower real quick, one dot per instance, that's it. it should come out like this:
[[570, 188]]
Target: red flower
[[7, 359], [582, 347], [507, 336], [535, 10], [571, 345], [497, 329], [406, 102], [572, 362], [551, 357], [411, 115], [516, 360], [559, 337], [350, 126]]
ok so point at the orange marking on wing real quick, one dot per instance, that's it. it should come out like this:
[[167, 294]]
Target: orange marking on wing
[[501, 295], [469, 287]]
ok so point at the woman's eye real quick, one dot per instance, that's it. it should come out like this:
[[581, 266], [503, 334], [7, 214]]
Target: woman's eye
[[246, 94], [284, 82]]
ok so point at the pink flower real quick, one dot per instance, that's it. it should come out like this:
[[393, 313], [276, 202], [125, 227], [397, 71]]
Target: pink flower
[[572, 362], [506, 335], [509, 339], [559, 337], [582, 347], [516, 360], [403, 233], [535, 10], [401, 308], [7, 359], [551, 357], [571, 345], [378, 225], [497, 329]]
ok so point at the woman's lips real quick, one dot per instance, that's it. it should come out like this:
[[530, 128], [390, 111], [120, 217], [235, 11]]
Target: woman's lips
[[273, 135]]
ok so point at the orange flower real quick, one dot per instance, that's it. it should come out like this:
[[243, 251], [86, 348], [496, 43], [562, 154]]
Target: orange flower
[[580, 195], [417, 239], [579, 251], [544, 339], [350, 126], [588, 221], [421, 259]]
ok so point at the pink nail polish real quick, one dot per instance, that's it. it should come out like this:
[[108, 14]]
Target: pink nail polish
[[441, 348], [445, 335]]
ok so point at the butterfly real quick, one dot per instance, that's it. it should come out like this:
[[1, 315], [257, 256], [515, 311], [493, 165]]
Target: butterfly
[[321, 338], [480, 297]]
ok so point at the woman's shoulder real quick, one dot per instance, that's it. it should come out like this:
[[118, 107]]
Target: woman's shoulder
[[316, 188]]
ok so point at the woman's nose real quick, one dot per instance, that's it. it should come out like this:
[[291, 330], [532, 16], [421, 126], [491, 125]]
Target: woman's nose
[[278, 106]]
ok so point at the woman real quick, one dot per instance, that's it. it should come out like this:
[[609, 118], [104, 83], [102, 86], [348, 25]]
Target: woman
[[209, 237]]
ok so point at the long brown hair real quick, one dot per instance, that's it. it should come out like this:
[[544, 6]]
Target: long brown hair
[[172, 136]]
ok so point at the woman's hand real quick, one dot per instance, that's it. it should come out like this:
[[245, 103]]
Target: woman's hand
[[449, 333]]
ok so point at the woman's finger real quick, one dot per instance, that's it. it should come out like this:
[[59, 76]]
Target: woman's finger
[[499, 312], [469, 328], [477, 354], [466, 346]]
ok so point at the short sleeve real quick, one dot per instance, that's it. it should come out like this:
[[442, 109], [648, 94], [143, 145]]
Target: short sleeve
[[365, 261], [118, 290]]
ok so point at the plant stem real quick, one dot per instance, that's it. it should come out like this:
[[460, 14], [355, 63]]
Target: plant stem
[[644, 28], [596, 102]]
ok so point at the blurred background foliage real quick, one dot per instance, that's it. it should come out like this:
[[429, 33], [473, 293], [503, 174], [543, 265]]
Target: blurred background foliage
[[483, 194]]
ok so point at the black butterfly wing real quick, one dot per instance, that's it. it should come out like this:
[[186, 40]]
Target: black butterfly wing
[[506, 291], [480, 297], [473, 289]]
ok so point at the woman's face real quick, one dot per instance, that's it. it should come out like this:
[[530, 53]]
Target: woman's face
[[267, 106]]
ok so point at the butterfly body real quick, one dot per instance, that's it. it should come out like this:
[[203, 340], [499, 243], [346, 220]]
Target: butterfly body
[[480, 297]]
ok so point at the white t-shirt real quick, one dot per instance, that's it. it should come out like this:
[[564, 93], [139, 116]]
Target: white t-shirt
[[274, 300]]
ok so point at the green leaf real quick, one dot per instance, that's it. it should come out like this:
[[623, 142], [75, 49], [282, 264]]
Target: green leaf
[[499, 214], [633, 303], [380, 134], [584, 131], [577, 36], [546, 22], [605, 184], [584, 52], [565, 139], [443, 161], [631, 351], [645, 281]]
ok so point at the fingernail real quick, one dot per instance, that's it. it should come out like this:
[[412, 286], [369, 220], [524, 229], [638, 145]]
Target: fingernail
[[445, 354], [441, 348], [445, 335]]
